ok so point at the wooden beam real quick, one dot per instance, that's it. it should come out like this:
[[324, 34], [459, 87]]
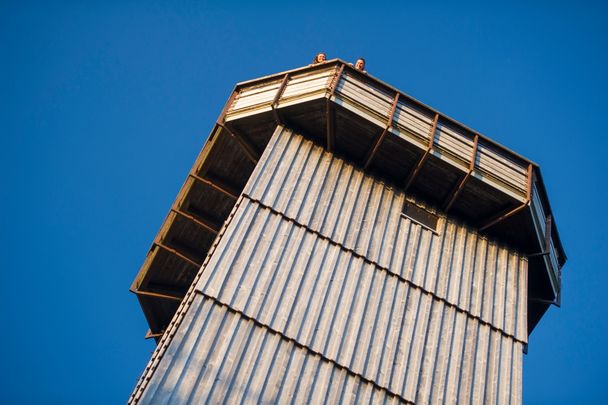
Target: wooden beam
[[460, 186], [389, 123], [510, 212], [216, 185], [153, 335], [277, 97], [178, 254], [249, 150], [158, 295], [502, 216], [204, 159], [425, 155], [205, 223], [455, 192], [329, 111]]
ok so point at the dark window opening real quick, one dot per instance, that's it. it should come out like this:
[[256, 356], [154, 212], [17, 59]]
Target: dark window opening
[[420, 216]]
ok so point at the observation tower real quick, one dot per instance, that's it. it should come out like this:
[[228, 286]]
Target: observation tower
[[338, 241]]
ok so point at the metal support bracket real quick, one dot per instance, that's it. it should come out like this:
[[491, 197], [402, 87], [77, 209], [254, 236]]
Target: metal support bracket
[[460, 186], [425, 155], [329, 111], [277, 97], [249, 150], [511, 211], [389, 124]]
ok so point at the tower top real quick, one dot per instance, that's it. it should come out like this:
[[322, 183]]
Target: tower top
[[402, 141]]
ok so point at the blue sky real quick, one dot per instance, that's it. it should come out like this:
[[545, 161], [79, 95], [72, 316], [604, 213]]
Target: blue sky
[[104, 107]]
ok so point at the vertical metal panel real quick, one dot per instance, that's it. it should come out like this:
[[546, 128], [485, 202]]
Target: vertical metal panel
[[303, 182], [223, 357], [349, 310], [319, 289]]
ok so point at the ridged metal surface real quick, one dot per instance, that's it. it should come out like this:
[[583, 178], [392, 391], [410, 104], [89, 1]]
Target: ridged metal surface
[[375, 323], [221, 356], [318, 290], [412, 122], [306, 183]]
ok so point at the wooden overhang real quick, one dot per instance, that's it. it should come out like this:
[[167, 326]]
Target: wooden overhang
[[382, 130]]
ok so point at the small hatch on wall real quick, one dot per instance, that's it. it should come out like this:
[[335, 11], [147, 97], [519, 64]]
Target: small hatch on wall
[[420, 215]]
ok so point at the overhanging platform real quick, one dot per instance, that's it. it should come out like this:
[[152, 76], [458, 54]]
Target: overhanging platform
[[363, 120]]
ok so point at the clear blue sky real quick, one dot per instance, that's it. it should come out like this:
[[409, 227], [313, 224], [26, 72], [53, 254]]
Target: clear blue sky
[[104, 107]]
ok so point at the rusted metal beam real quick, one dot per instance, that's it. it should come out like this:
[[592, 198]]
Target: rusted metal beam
[[178, 254], [158, 295], [389, 123], [512, 211], [529, 185], [249, 150], [329, 111], [502, 216], [222, 188], [460, 186], [425, 155], [205, 223], [153, 335], [277, 97]]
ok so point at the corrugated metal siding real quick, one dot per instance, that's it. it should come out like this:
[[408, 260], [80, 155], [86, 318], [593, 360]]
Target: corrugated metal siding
[[326, 194], [319, 290], [340, 305], [221, 356]]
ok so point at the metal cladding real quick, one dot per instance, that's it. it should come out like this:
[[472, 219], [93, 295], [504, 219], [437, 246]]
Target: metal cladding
[[319, 289], [385, 133], [230, 358], [305, 183], [444, 162], [338, 241]]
